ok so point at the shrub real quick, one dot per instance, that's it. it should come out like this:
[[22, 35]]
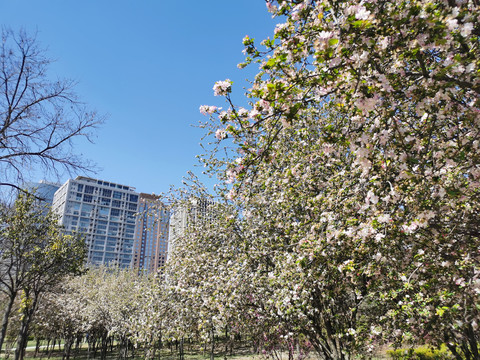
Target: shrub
[[421, 353]]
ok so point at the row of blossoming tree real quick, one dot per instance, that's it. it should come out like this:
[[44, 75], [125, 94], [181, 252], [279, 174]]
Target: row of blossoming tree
[[134, 314], [353, 178], [347, 214]]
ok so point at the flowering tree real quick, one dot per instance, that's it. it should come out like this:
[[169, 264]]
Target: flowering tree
[[34, 256], [61, 314], [104, 304], [357, 170]]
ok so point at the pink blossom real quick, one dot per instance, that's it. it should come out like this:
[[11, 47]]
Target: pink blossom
[[242, 112], [325, 35], [334, 62], [384, 43], [371, 198], [296, 10], [409, 229], [270, 7], [285, 122], [279, 27], [262, 104], [222, 88], [452, 24], [231, 175], [328, 149], [205, 109], [253, 114], [384, 218], [379, 237], [221, 134], [231, 194], [362, 13], [222, 116], [466, 29], [367, 104]]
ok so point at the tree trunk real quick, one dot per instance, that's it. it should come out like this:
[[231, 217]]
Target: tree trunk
[[472, 341], [48, 348], [182, 356], [226, 343], [103, 356], [212, 350], [6, 314], [22, 338], [78, 341], [122, 348], [67, 348], [37, 347]]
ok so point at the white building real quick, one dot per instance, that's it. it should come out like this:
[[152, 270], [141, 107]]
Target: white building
[[150, 248], [104, 213], [195, 212]]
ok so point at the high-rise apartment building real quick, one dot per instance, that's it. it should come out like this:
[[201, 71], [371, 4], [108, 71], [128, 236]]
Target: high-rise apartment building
[[43, 190], [195, 212], [104, 212], [151, 234]]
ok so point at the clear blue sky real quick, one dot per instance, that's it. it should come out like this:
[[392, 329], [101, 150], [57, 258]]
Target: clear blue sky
[[149, 65]]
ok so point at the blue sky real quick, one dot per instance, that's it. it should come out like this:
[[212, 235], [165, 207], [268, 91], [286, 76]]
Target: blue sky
[[148, 65]]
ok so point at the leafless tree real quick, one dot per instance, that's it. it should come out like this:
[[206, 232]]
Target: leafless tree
[[39, 117]]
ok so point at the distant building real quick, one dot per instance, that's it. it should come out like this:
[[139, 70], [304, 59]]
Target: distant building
[[194, 213], [43, 190], [104, 212], [151, 234]]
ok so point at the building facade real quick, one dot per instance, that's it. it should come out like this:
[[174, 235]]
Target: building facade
[[150, 247], [194, 212], [43, 190], [104, 212]]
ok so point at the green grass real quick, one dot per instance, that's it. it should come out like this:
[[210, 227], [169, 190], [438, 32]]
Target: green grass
[[164, 355], [82, 353]]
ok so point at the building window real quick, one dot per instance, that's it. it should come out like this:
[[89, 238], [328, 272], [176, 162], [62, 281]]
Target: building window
[[115, 214], [86, 210], [103, 212], [130, 217], [75, 208]]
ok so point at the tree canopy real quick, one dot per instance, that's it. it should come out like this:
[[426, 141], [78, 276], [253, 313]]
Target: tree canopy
[[35, 255], [355, 175]]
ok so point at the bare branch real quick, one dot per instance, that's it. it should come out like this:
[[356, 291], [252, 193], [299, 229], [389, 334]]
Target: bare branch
[[39, 117]]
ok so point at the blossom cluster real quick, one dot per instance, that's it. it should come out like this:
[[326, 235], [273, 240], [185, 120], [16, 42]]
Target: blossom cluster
[[222, 88]]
